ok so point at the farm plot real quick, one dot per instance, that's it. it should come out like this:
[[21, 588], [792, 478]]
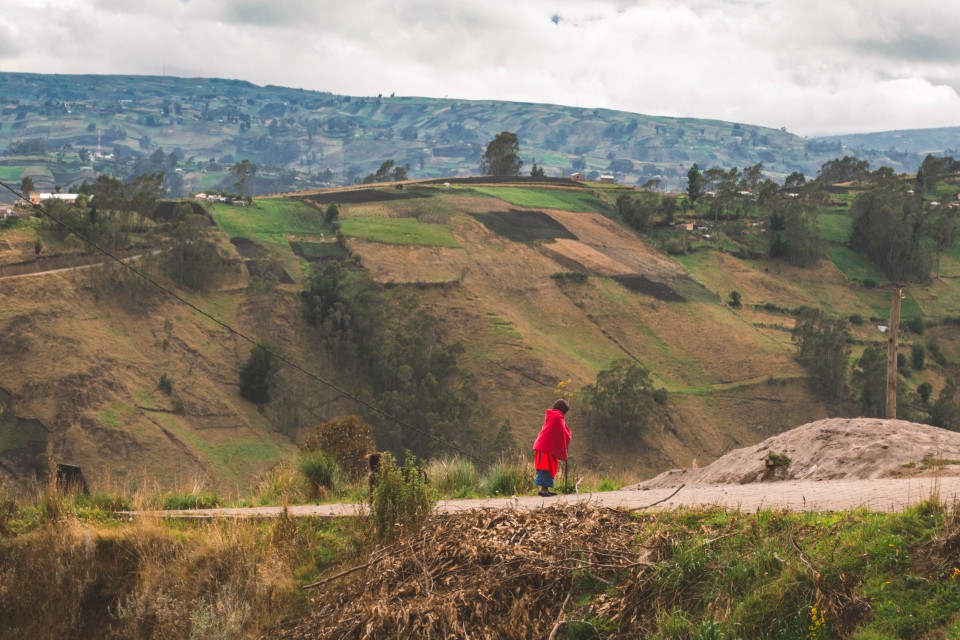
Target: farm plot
[[524, 226], [270, 222], [402, 231], [361, 196], [563, 199]]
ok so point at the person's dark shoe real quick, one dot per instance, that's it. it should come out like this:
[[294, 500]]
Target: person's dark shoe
[[546, 494]]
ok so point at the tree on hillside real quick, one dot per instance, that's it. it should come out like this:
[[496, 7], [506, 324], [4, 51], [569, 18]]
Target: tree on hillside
[[26, 186], [622, 398], [244, 171], [502, 157], [695, 181], [388, 171], [890, 227], [945, 412], [795, 180], [794, 233], [536, 171], [257, 374], [846, 169], [823, 349]]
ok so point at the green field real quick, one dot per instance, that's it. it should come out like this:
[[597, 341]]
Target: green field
[[11, 174], [835, 227], [576, 201], [405, 231], [854, 265], [270, 221], [315, 250]]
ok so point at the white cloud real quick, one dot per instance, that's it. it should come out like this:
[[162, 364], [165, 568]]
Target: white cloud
[[821, 66]]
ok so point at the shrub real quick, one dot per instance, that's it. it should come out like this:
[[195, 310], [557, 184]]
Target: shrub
[[320, 470], [869, 283], [925, 390], [856, 319], [918, 356], [661, 395], [166, 384], [916, 325], [735, 299], [675, 247], [402, 500], [257, 375], [573, 276], [347, 439]]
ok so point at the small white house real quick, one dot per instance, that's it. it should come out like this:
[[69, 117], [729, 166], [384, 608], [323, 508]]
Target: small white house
[[607, 178]]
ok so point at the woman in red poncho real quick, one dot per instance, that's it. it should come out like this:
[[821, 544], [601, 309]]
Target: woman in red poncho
[[551, 446]]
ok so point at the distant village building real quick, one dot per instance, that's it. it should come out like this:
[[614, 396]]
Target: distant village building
[[576, 176], [37, 197], [606, 177]]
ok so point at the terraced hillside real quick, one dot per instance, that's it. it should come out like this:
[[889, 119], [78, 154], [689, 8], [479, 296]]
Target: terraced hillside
[[540, 283]]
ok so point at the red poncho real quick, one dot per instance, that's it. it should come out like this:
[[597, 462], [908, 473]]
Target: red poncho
[[554, 435]]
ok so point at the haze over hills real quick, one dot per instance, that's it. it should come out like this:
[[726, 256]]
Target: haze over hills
[[64, 129]]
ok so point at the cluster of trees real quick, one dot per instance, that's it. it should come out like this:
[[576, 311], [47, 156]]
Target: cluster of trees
[[502, 156], [389, 171], [823, 348], [897, 229], [385, 337], [623, 400]]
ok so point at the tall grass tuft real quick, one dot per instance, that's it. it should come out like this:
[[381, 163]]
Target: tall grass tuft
[[321, 472], [454, 476], [510, 475], [402, 499], [282, 483]]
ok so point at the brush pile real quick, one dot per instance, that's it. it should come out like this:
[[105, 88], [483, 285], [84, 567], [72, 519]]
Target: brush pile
[[478, 574]]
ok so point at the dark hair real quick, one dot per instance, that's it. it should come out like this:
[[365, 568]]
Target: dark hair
[[562, 405]]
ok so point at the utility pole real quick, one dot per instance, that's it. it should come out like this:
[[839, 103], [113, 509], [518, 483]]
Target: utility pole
[[892, 343]]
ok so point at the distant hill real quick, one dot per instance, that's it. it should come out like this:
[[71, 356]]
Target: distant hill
[[63, 129], [919, 142]]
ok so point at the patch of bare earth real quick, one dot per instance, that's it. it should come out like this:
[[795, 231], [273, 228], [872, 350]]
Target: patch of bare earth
[[831, 449]]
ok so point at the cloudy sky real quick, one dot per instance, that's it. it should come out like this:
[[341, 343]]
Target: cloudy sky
[[813, 66]]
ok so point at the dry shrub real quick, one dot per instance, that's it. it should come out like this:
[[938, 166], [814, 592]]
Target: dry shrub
[[70, 580], [478, 574], [224, 582], [348, 440]]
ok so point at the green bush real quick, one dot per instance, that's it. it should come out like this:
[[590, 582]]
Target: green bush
[[402, 500], [166, 384], [321, 471], [856, 319]]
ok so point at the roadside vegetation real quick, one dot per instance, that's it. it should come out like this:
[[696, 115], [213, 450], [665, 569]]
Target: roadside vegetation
[[582, 571]]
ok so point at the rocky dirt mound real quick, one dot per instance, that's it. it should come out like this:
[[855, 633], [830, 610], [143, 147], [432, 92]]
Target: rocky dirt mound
[[833, 449]]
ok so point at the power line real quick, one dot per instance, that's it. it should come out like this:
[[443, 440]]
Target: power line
[[239, 333]]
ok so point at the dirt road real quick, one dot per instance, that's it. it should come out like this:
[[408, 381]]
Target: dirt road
[[797, 495]]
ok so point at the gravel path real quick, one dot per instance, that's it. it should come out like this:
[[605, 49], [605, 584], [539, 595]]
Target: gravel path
[[793, 495]]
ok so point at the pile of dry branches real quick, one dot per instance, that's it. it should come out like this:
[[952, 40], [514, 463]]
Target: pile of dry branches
[[478, 574]]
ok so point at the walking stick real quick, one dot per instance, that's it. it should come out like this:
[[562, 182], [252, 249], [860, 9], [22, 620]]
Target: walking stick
[[565, 464]]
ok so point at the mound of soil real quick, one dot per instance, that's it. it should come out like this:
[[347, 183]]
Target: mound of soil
[[832, 449]]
